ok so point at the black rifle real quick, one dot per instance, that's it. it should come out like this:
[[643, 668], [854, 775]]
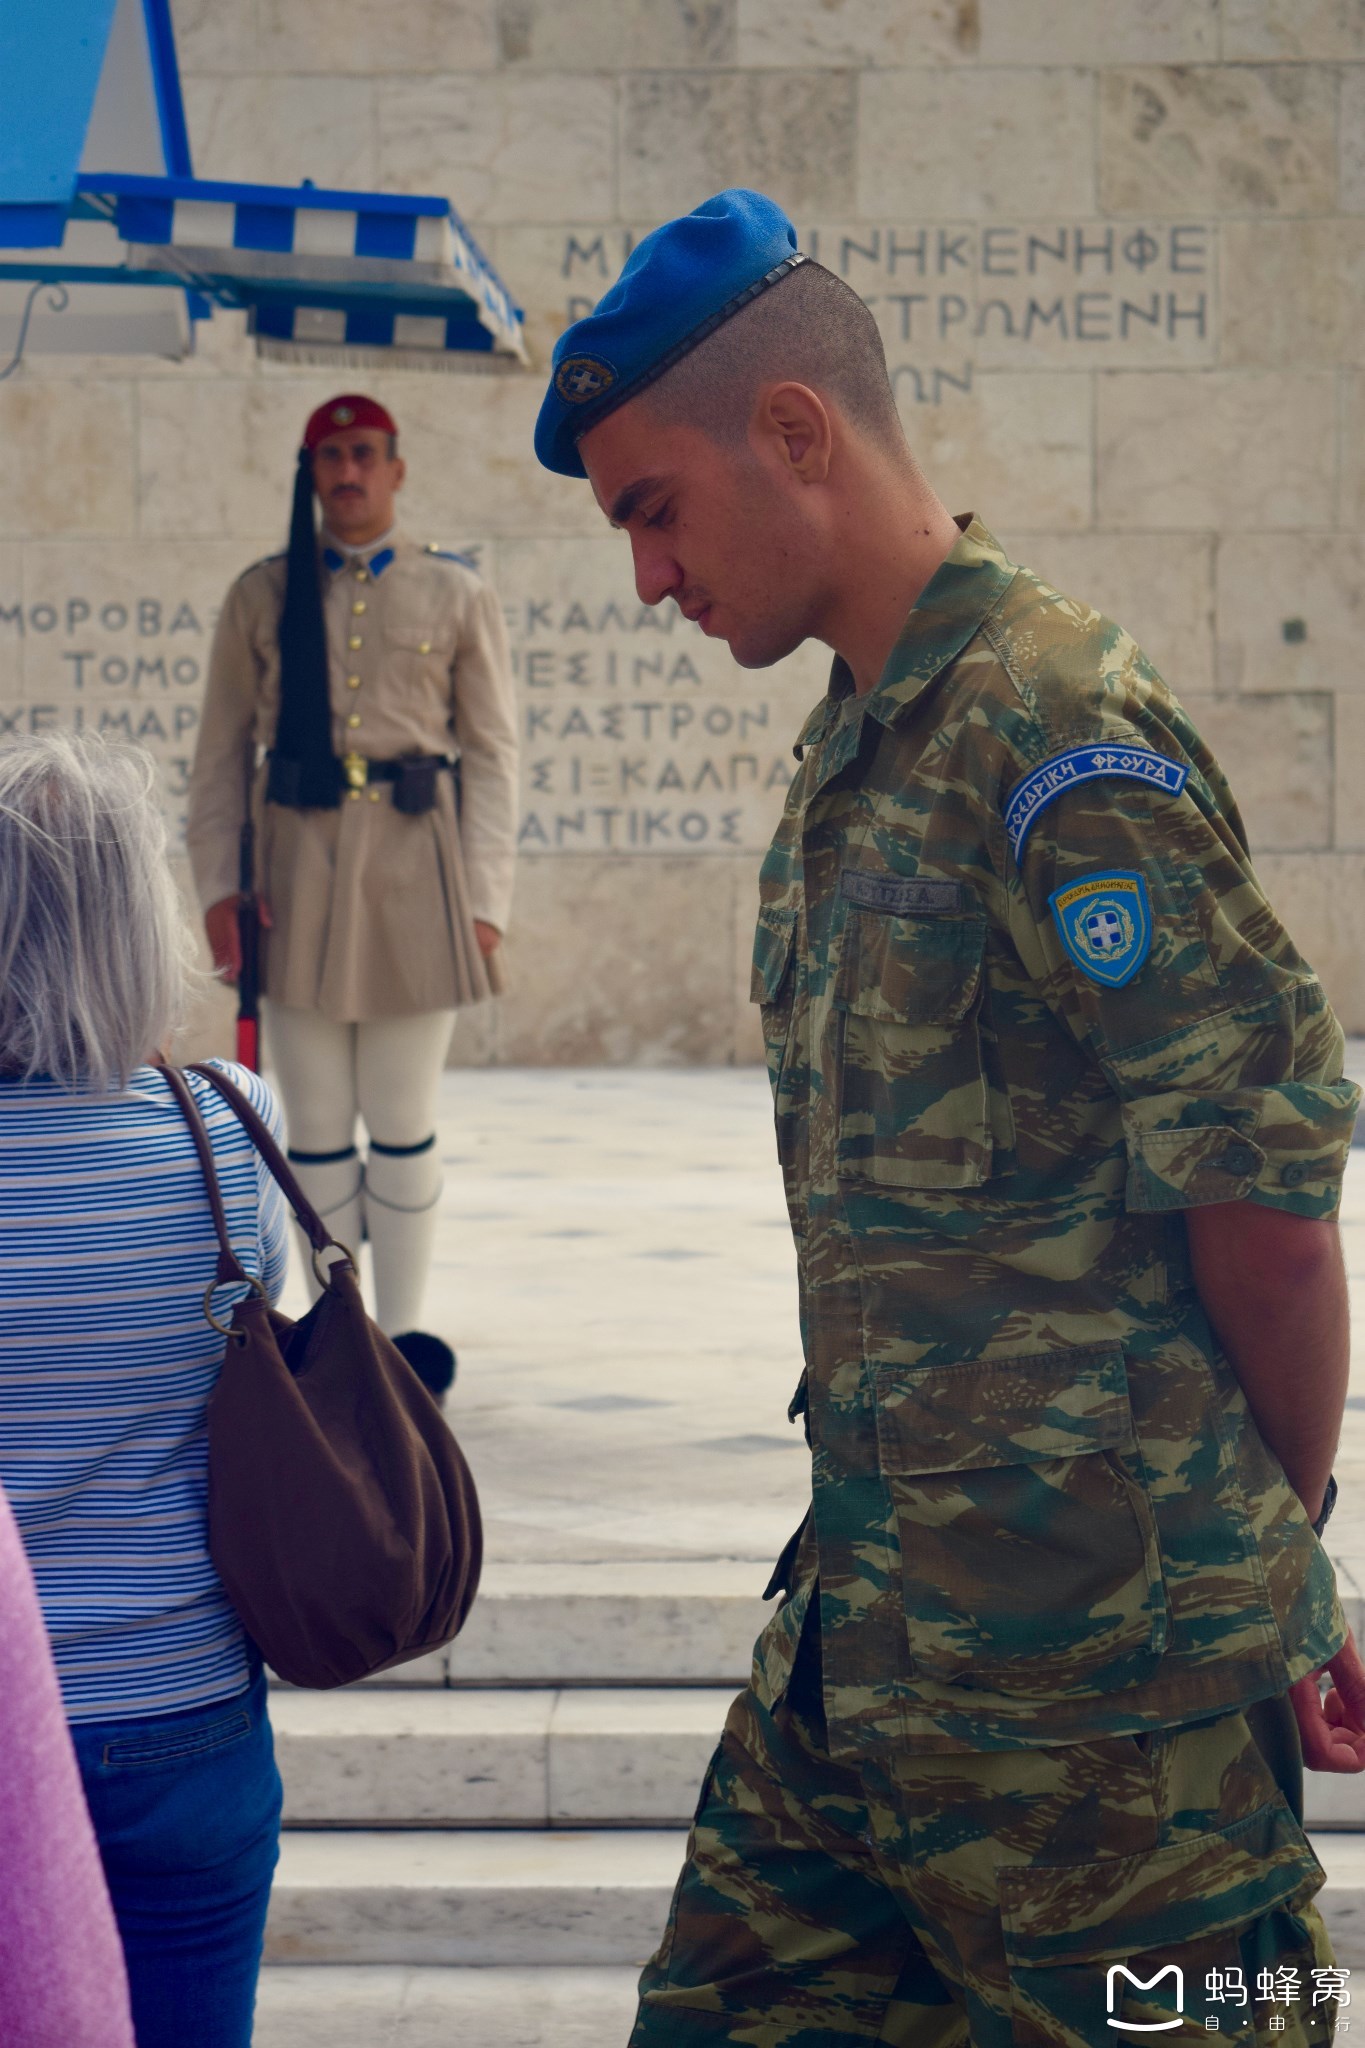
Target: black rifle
[[248, 935]]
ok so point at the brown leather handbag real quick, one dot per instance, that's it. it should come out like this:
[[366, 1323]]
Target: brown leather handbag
[[343, 1520]]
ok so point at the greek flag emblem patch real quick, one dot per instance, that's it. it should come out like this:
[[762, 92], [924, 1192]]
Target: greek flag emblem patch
[[1036, 790], [1106, 925]]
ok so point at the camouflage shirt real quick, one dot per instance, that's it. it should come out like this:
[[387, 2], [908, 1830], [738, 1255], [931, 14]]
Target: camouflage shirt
[[1025, 1003]]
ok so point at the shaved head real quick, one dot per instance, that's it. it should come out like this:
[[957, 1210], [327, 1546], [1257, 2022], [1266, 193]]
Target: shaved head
[[763, 477], [809, 328]]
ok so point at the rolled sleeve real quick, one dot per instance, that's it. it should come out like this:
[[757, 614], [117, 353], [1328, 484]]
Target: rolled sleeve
[[1222, 1049], [1284, 1146]]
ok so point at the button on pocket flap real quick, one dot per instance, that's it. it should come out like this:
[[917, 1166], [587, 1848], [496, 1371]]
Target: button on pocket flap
[[773, 942], [1127, 1906], [1188, 1165], [1010, 1411], [415, 639], [910, 970]]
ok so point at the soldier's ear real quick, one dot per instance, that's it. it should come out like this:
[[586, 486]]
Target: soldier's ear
[[790, 423], [400, 470]]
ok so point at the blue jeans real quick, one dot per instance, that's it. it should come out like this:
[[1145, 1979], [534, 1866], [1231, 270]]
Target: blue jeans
[[187, 1810]]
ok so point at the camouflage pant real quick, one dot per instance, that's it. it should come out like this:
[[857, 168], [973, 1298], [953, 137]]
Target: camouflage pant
[[985, 1899]]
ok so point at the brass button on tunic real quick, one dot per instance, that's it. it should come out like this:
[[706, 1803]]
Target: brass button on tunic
[[373, 910]]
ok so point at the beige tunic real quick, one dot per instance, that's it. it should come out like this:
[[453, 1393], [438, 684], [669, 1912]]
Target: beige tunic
[[373, 910]]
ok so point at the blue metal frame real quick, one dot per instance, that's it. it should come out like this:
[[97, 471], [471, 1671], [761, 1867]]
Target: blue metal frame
[[170, 104], [235, 292], [123, 184]]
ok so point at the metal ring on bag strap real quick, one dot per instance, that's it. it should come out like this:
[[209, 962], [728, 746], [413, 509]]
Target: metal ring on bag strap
[[322, 1274], [226, 1329]]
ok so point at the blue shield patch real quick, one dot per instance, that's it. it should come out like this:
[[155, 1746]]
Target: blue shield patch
[[1106, 925]]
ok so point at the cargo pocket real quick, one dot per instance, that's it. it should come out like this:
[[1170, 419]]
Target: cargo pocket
[[1128, 1941], [1029, 1550], [772, 981], [913, 1108]]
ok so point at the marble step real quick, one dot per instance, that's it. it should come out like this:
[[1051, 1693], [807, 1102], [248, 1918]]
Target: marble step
[[539, 1899], [604, 1624], [1342, 1898], [505, 1897], [1333, 1803], [512, 1758], [336, 2007], [652, 1624], [540, 1757], [601, 1624]]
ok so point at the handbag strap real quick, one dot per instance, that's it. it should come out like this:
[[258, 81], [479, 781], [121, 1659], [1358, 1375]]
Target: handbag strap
[[229, 1266], [307, 1217]]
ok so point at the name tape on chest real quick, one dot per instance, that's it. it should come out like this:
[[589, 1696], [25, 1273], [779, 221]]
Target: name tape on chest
[[1085, 764], [901, 895]]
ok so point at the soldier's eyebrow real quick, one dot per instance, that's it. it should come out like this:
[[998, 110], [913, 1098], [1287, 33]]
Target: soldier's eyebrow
[[629, 501]]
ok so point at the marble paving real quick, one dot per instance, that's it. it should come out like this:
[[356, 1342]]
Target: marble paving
[[615, 1270]]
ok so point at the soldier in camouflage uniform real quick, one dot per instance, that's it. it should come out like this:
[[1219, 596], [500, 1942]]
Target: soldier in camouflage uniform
[[1062, 1121]]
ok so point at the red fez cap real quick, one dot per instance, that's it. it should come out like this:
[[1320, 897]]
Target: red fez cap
[[352, 409]]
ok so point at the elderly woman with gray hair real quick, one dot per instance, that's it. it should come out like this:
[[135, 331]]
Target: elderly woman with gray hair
[[106, 1368]]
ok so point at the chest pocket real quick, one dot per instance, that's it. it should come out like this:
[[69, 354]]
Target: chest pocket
[[914, 1108], [417, 661]]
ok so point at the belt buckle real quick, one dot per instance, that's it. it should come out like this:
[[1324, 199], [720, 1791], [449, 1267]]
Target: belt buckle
[[356, 769]]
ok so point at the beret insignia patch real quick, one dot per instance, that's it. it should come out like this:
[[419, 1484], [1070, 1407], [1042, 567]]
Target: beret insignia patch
[[342, 415], [580, 379]]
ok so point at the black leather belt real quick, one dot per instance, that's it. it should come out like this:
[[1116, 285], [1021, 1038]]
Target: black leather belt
[[359, 769], [412, 775]]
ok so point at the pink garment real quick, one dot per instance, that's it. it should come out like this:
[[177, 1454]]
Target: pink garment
[[62, 1982]]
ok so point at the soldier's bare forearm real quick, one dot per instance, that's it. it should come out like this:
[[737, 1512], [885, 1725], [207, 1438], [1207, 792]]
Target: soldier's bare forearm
[[1274, 1288]]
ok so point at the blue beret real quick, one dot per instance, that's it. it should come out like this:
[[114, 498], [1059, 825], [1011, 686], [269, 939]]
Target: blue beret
[[677, 287]]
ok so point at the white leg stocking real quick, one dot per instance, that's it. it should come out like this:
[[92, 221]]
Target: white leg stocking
[[313, 1060], [398, 1073]]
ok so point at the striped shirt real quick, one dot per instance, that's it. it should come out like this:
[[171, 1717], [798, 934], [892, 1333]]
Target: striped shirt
[[106, 1367]]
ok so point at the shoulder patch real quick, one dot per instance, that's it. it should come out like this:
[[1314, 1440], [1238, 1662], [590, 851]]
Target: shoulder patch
[[1036, 790], [265, 561], [447, 555], [1105, 924]]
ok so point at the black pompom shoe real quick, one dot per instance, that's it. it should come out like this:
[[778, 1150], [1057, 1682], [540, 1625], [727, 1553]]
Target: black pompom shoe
[[431, 1358]]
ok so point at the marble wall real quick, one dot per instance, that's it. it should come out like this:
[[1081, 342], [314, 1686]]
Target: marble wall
[[1118, 257]]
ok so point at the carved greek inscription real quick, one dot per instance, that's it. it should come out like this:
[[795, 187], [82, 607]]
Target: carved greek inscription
[[639, 736], [130, 668], [956, 300]]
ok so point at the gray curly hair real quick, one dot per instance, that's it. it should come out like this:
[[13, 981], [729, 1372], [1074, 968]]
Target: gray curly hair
[[95, 950]]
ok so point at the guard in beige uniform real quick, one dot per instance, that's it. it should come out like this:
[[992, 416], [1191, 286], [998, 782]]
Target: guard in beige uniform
[[360, 688]]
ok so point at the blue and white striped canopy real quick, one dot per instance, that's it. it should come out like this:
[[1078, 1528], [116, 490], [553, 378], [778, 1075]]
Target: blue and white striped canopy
[[316, 269], [96, 191]]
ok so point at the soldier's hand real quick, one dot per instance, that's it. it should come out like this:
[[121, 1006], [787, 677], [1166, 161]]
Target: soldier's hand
[[225, 943], [1332, 1730], [488, 936], [225, 939]]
